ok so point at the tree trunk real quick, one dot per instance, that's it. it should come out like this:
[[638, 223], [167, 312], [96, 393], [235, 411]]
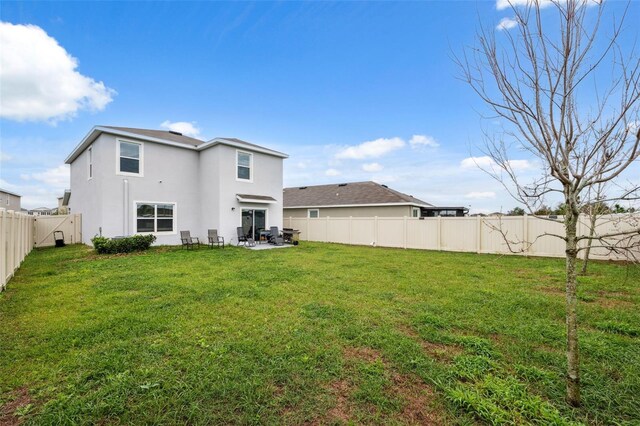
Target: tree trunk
[[592, 230], [573, 358]]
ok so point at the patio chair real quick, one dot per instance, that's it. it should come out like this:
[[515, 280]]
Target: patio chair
[[275, 237], [188, 241], [214, 238], [241, 237]]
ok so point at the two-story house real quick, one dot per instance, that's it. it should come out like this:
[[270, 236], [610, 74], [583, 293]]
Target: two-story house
[[9, 200], [127, 181]]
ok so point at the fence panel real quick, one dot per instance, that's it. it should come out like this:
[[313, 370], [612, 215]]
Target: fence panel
[[525, 235], [16, 233]]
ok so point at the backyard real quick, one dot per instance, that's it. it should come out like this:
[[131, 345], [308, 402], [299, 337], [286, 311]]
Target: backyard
[[319, 334]]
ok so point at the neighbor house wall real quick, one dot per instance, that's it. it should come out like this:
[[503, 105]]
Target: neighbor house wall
[[9, 201], [380, 211]]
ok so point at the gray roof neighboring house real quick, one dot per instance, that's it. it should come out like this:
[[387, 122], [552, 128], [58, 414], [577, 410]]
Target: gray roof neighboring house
[[347, 195], [10, 193], [166, 137]]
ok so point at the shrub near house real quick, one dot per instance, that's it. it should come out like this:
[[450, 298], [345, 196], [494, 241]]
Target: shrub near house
[[105, 245]]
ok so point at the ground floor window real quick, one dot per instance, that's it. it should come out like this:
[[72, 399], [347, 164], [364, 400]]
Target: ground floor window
[[155, 217], [415, 212], [313, 213]]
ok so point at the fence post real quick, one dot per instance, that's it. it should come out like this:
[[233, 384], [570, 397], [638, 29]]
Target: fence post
[[3, 246], [326, 230], [525, 234], [350, 225], [439, 232], [375, 230], [478, 233], [404, 233]]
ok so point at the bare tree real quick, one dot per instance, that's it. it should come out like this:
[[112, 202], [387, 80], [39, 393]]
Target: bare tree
[[543, 82]]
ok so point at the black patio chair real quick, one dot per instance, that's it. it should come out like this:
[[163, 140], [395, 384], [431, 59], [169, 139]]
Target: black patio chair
[[275, 237], [188, 241], [242, 238], [214, 238]]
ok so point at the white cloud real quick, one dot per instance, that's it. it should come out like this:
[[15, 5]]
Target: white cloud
[[39, 78], [475, 162], [504, 4], [371, 149], [184, 127], [56, 178], [41, 189], [332, 172], [4, 157], [372, 167], [487, 162], [507, 24], [423, 140], [301, 165], [480, 195]]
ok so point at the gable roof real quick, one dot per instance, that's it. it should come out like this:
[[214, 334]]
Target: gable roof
[[160, 134], [347, 194], [167, 138], [10, 193]]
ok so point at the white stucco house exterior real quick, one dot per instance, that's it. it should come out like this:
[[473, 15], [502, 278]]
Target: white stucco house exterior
[[127, 181]]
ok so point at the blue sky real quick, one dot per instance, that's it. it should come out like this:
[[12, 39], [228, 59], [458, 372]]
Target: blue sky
[[315, 80]]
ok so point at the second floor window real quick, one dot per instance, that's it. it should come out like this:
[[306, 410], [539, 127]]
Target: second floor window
[[244, 162], [130, 157]]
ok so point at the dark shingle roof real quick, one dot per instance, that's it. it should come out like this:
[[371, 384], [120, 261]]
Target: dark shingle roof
[[345, 194], [160, 134]]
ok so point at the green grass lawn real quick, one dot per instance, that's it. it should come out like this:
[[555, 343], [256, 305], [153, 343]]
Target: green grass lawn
[[320, 334]]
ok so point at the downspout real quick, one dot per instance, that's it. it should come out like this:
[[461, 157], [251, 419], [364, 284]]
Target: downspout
[[125, 204]]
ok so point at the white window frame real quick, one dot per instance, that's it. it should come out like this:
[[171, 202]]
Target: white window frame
[[313, 210], [155, 218], [250, 180], [414, 210], [141, 159], [90, 162]]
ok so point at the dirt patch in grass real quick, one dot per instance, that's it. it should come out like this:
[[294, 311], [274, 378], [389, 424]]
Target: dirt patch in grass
[[362, 353], [552, 290], [439, 351], [419, 399], [607, 302], [342, 410], [8, 411]]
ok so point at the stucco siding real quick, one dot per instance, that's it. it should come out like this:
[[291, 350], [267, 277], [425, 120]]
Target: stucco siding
[[380, 211], [201, 184], [267, 181]]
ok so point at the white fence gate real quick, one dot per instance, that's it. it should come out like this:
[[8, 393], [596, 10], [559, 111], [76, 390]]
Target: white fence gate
[[20, 233], [45, 226], [463, 234]]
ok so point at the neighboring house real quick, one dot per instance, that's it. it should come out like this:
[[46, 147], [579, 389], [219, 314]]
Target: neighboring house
[[42, 211], [357, 199], [9, 200], [127, 181], [63, 203]]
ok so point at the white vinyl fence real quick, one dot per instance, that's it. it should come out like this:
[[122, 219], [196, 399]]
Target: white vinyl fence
[[20, 233], [462, 234]]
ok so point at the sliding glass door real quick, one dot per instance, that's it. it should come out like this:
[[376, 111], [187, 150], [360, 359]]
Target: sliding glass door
[[254, 221]]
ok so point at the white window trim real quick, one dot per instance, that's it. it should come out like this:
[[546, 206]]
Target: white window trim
[[141, 159], [90, 162], [175, 218], [250, 180], [309, 213], [413, 210]]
